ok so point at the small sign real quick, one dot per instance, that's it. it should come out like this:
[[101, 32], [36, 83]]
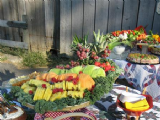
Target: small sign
[[158, 7]]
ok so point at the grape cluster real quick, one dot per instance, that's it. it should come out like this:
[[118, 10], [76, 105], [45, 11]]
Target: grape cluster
[[73, 63], [94, 56], [106, 53], [82, 52]]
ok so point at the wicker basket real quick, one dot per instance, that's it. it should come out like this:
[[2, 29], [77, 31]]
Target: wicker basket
[[75, 115], [68, 108]]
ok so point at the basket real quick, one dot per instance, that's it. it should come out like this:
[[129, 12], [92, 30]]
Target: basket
[[76, 115], [68, 108]]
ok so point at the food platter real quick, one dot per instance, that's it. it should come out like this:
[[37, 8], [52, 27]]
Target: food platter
[[141, 63], [155, 50], [143, 59]]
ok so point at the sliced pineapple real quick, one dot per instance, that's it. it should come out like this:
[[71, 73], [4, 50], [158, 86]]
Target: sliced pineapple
[[25, 85], [27, 89], [38, 82], [39, 93], [47, 93], [64, 85], [53, 97]]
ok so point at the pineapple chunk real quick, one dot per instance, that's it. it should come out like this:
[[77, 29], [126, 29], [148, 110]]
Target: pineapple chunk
[[38, 82], [36, 94], [53, 97], [27, 89], [47, 94], [64, 94], [64, 85], [25, 85], [39, 93]]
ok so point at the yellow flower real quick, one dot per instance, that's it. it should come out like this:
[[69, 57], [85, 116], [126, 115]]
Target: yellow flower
[[155, 37]]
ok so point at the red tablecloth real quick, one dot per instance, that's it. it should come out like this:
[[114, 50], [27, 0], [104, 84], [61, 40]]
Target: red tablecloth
[[56, 114]]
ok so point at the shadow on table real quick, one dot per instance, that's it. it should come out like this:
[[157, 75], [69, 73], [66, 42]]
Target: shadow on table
[[123, 82], [6, 75]]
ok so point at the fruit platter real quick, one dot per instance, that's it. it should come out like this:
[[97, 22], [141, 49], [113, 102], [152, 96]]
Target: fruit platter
[[66, 89]]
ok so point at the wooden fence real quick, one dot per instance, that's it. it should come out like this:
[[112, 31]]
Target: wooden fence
[[53, 23], [42, 17]]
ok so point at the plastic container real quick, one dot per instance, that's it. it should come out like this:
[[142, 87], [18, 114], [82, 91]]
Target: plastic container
[[135, 113], [130, 97]]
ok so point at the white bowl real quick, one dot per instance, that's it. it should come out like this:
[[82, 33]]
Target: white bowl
[[130, 97], [119, 49]]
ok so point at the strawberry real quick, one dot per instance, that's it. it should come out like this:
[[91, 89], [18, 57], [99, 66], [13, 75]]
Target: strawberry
[[77, 78], [97, 63], [54, 79], [54, 91], [30, 92], [45, 80], [44, 86], [75, 82], [69, 78], [60, 90], [80, 72]]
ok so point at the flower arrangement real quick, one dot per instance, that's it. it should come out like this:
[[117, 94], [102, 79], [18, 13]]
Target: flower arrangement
[[130, 37]]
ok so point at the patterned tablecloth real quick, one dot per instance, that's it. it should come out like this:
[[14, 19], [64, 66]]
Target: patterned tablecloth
[[108, 104], [140, 76]]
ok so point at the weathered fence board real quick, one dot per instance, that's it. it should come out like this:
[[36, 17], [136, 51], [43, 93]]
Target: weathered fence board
[[2, 32], [146, 14], [15, 44], [89, 15], [65, 28], [7, 16], [77, 18], [130, 14], [56, 36], [101, 19], [14, 17], [115, 15], [156, 23], [49, 23], [40, 21], [31, 20]]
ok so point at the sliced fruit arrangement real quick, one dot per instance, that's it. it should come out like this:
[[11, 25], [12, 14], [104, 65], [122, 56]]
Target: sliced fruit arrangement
[[59, 86]]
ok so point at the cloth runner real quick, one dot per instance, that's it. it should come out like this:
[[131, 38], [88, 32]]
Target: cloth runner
[[56, 114]]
